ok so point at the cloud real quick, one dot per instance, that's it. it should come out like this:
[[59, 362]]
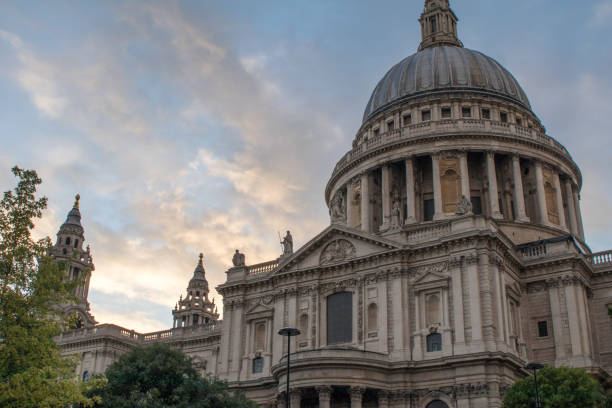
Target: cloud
[[602, 15], [159, 189]]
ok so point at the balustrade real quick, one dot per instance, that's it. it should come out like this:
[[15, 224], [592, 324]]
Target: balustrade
[[261, 268], [601, 258]]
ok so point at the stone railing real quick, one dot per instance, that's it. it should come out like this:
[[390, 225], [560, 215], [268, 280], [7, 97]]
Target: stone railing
[[536, 251], [601, 258], [111, 330], [448, 126], [424, 233], [262, 268]]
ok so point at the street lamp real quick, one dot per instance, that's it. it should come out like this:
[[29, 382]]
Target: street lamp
[[535, 367], [288, 332]]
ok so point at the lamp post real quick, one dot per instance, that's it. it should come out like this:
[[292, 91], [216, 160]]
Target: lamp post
[[288, 332], [535, 367]]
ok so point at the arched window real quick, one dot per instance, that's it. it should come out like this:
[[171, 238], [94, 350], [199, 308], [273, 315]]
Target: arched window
[[86, 376], [434, 342], [67, 240], [260, 336], [340, 318], [432, 310], [195, 319], [258, 364], [75, 273], [372, 317], [76, 243], [437, 404], [551, 203]]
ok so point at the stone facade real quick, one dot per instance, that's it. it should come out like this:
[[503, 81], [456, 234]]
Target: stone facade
[[455, 254]]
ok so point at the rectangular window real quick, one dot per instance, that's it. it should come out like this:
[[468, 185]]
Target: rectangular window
[[434, 342], [376, 132], [390, 125], [407, 119], [486, 114], [446, 113], [503, 117], [258, 364], [466, 112], [519, 121], [426, 115], [543, 329], [428, 210], [340, 318], [476, 205]]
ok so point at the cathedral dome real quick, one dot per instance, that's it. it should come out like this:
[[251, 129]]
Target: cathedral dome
[[444, 68]]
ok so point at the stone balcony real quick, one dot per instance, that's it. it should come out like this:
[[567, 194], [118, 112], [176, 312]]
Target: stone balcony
[[447, 127]]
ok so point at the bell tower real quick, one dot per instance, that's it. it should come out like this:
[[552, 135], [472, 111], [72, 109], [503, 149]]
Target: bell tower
[[195, 308], [79, 264], [438, 25]]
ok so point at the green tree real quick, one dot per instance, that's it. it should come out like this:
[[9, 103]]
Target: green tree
[[160, 376], [562, 387], [32, 371]]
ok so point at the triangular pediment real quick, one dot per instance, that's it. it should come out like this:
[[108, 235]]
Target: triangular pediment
[[259, 308], [430, 277], [336, 244]]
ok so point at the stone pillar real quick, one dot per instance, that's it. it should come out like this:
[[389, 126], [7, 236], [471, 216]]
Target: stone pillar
[[325, 394], [410, 193], [383, 399], [519, 196], [356, 397], [473, 280], [465, 175], [578, 214], [457, 288], [365, 202], [295, 397], [540, 194], [571, 208], [492, 178], [280, 401], [560, 209], [437, 188], [386, 197], [347, 202]]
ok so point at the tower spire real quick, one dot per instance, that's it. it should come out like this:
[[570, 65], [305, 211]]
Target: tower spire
[[438, 25]]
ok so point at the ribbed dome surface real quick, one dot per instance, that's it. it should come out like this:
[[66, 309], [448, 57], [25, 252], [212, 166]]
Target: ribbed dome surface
[[444, 68]]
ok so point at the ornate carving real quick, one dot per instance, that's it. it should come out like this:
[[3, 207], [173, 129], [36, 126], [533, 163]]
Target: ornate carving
[[337, 207], [464, 207], [336, 251], [440, 267], [238, 259]]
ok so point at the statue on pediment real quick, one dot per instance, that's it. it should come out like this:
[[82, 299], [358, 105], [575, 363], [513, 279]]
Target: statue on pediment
[[238, 259], [287, 244]]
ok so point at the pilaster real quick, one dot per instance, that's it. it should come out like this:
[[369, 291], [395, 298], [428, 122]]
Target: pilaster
[[365, 202], [465, 175], [325, 394], [560, 208], [540, 194], [356, 397], [571, 208]]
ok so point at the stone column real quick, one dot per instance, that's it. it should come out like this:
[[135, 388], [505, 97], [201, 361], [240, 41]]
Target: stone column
[[365, 202], [410, 193], [437, 188], [295, 397], [519, 196], [347, 202], [325, 394], [383, 399], [571, 208], [540, 194], [356, 397], [465, 175], [280, 401], [492, 178], [386, 197], [578, 214], [560, 208]]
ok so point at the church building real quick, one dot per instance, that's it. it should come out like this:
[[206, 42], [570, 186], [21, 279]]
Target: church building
[[455, 254]]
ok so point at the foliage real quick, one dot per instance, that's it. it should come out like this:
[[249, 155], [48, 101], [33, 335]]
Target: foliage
[[160, 376], [558, 387], [32, 371]]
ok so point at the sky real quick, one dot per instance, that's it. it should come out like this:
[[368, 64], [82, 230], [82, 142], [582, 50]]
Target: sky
[[206, 126]]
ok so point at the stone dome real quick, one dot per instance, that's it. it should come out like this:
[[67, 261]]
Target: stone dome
[[444, 68]]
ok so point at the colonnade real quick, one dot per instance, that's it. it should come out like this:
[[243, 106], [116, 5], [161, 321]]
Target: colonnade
[[555, 194], [324, 396]]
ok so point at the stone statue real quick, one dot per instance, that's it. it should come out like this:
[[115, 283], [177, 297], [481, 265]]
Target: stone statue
[[238, 259], [287, 244], [464, 207], [395, 213], [337, 208]]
